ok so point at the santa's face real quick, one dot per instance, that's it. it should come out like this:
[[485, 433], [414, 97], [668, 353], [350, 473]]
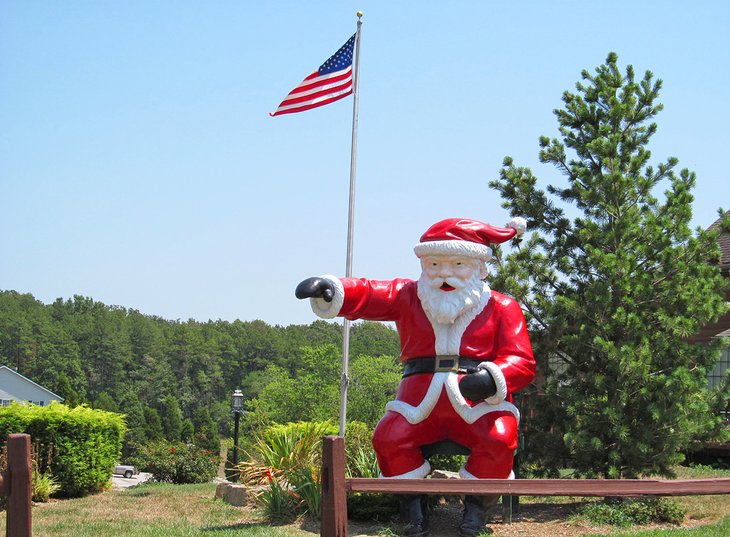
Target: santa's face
[[450, 285]]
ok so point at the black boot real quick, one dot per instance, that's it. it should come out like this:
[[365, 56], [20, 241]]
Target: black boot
[[475, 516], [414, 511]]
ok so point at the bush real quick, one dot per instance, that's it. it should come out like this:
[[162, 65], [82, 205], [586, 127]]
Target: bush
[[279, 450], [276, 502], [44, 486], [85, 443], [288, 458], [177, 462], [627, 512]]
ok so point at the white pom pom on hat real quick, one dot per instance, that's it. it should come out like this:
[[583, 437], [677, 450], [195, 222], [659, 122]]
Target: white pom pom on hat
[[471, 238]]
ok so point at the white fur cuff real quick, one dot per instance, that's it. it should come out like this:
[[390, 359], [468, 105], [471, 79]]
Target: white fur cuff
[[519, 224], [329, 310], [499, 380], [419, 473], [466, 474]]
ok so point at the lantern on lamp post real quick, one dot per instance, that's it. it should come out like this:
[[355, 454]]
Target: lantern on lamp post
[[237, 408]]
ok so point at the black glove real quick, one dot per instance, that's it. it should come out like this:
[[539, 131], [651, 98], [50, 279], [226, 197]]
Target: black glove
[[478, 385], [316, 288]]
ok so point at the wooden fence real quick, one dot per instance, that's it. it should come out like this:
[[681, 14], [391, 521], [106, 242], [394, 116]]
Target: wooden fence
[[335, 487], [15, 483]]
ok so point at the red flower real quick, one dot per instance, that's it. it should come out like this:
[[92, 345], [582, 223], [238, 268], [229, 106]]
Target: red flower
[[269, 476], [172, 450]]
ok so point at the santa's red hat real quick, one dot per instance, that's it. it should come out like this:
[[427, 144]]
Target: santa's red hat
[[471, 238]]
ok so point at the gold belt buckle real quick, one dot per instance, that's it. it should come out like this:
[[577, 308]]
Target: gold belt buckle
[[446, 363]]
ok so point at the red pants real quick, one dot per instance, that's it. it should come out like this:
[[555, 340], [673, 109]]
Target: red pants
[[492, 440]]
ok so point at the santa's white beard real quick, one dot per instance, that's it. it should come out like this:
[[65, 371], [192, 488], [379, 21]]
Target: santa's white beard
[[444, 307]]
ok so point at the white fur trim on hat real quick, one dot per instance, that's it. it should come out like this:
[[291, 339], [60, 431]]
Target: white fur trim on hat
[[329, 310], [519, 224], [453, 247], [499, 380]]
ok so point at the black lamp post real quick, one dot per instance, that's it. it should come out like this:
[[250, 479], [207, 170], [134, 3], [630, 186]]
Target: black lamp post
[[237, 408]]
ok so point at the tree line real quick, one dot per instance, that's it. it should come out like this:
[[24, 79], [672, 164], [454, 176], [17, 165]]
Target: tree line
[[174, 379]]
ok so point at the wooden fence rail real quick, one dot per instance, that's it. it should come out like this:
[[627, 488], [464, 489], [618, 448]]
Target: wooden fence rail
[[335, 487], [16, 484]]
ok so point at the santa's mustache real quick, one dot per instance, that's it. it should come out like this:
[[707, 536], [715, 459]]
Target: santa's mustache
[[453, 282]]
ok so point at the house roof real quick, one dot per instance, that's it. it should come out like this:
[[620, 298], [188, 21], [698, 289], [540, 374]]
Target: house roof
[[6, 368], [724, 242], [720, 328]]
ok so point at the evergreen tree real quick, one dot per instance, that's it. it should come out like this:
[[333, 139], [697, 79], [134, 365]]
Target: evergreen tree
[[63, 388], [152, 424], [206, 433], [613, 293], [171, 418], [187, 431], [104, 401]]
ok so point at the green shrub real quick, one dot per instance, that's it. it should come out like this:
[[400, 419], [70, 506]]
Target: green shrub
[[308, 488], [85, 443], [44, 486], [627, 512], [276, 502], [278, 450], [290, 454], [177, 462]]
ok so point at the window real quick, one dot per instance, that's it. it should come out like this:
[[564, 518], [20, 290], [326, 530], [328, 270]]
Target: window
[[719, 373]]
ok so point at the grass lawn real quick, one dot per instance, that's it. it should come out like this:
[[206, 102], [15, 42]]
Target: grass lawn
[[151, 510], [160, 510], [721, 529]]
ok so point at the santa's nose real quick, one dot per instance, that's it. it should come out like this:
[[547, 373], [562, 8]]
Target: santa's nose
[[446, 270]]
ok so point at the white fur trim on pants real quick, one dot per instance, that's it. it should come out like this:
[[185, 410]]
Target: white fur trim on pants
[[420, 472], [465, 474], [329, 310]]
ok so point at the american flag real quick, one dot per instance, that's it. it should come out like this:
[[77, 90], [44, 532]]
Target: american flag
[[330, 83]]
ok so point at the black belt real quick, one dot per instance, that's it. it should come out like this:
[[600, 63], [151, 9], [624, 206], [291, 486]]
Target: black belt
[[437, 364]]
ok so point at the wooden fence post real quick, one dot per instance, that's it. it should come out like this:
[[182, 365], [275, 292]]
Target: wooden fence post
[[334, 497], [19, 486]]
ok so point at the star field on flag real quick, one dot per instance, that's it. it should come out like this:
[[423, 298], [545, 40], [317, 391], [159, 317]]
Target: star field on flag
[[330, 83]]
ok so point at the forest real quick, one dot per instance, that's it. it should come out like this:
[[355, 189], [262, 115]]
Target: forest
[[174, 379]]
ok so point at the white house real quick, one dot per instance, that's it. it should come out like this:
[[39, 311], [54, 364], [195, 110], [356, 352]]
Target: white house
[[15, 387]]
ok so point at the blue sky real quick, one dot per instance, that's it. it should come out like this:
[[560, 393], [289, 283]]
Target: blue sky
[[139, 166]]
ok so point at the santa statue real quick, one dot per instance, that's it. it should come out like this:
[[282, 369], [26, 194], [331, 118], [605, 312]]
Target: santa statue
[[465, 350]]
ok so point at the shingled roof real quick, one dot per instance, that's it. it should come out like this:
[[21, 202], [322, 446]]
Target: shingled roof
[[724, 241], [721, 328]]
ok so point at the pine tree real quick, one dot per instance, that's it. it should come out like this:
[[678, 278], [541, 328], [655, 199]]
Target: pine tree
[[187, 431], [153, 424], [63, 388], [206, 432], [171, 417], [104, 401], [614, 283]]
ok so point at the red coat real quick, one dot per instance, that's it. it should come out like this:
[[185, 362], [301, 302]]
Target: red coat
[[494, 333]]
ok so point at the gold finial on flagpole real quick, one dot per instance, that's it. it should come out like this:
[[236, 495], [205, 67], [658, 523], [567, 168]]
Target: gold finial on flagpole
[[359, 14]]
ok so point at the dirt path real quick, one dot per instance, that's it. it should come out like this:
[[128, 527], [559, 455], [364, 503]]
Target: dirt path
[[534, 520]]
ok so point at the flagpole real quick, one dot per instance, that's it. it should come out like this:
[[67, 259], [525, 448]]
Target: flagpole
[[345, 382]]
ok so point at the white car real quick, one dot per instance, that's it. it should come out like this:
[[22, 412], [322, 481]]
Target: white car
[[125, 470]]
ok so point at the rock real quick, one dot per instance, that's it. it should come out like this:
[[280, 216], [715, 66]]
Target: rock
[[220, 489], [232, 493], [444, 474], [236, 495]]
